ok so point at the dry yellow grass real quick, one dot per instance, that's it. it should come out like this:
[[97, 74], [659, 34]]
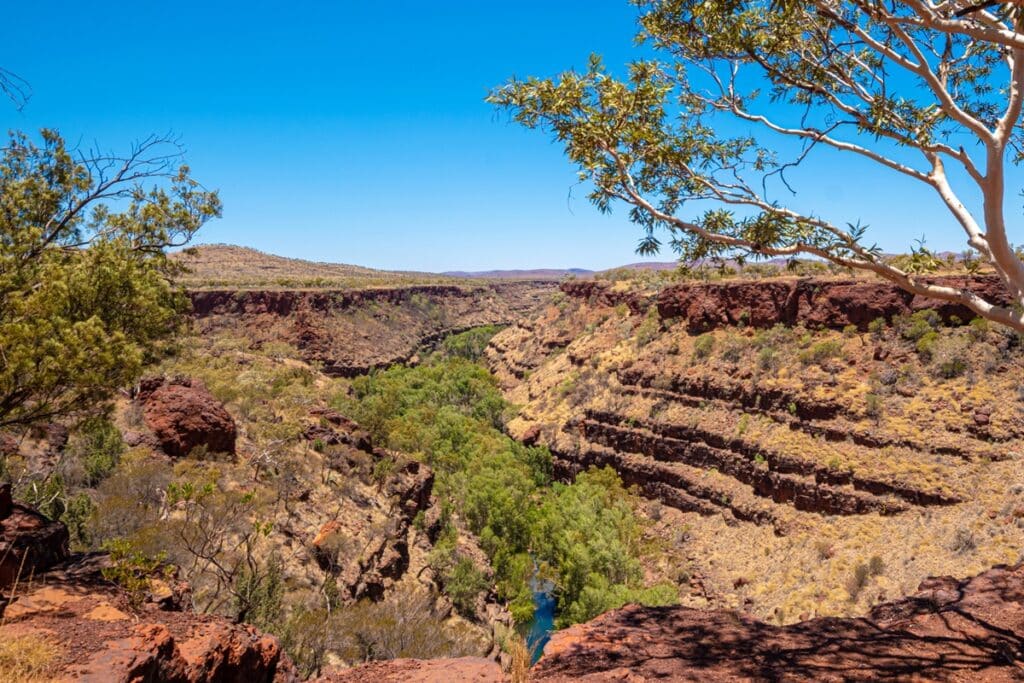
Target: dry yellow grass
[[27, 658]]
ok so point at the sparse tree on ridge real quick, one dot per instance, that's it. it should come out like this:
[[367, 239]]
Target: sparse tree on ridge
[[931, 91]]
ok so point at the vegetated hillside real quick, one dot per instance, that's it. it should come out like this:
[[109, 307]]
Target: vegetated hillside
[[223, 265], [353, 331], [813, 446]]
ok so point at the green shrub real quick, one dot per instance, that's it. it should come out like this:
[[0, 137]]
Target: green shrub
[[463, 584], [978, 329], [649, 329], [93, 451], [743, 424], [925, 345], [949, 357], [259, 594], [703, 346], [821, 352], [132, 569], [917, 325], [873, 405]]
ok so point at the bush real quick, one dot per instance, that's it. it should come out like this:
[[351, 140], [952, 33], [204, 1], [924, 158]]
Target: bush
[[949, 357], [132, 569], [130, 499], [93, 451], [863, 573], [404, 625], [925, 345], [767, 359], [703, 346], [649, 329], [464, 584], [821, 352], [978, 329], [873, 405], [733, 349], [963, 541], [920, 328]]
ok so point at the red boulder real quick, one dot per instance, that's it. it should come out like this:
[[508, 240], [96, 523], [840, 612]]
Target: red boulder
[[183, 415]]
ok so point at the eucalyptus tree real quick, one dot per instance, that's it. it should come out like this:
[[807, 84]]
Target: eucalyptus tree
[[930, 91], [86, 288]]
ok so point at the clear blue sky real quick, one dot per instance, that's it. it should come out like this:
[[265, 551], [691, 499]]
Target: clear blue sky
[[357, 131]]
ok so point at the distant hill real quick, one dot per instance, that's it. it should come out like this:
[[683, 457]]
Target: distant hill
[[558, 273], [535, 274], [225, 265]]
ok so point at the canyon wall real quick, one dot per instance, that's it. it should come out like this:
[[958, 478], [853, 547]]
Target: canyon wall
[[351, 332], [770, 428]]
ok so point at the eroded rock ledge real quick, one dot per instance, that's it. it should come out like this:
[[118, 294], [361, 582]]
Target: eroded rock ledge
[[814, 302]]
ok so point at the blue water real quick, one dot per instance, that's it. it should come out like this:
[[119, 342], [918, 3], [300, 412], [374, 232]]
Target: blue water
[[543, 623]]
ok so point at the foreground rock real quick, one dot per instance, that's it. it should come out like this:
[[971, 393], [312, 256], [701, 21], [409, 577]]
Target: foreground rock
[[29, 542], [93, 634], [468, 669], [950, 631], [184, 415]]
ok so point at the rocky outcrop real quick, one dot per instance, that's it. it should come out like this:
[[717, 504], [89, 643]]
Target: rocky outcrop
[[29, 542], [602, 294], [183, 415], [467, 669], [408, 483], [210, 651], [949, 630], [92, 631], [813, 302]]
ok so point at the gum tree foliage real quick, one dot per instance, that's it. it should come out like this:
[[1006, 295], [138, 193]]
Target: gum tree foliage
[[85, 291], [930, 91]]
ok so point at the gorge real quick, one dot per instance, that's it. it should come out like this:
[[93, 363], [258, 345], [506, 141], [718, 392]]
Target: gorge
[[776, 438]]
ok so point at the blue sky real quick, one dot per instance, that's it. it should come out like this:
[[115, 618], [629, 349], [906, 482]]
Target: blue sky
[[357, 132]]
